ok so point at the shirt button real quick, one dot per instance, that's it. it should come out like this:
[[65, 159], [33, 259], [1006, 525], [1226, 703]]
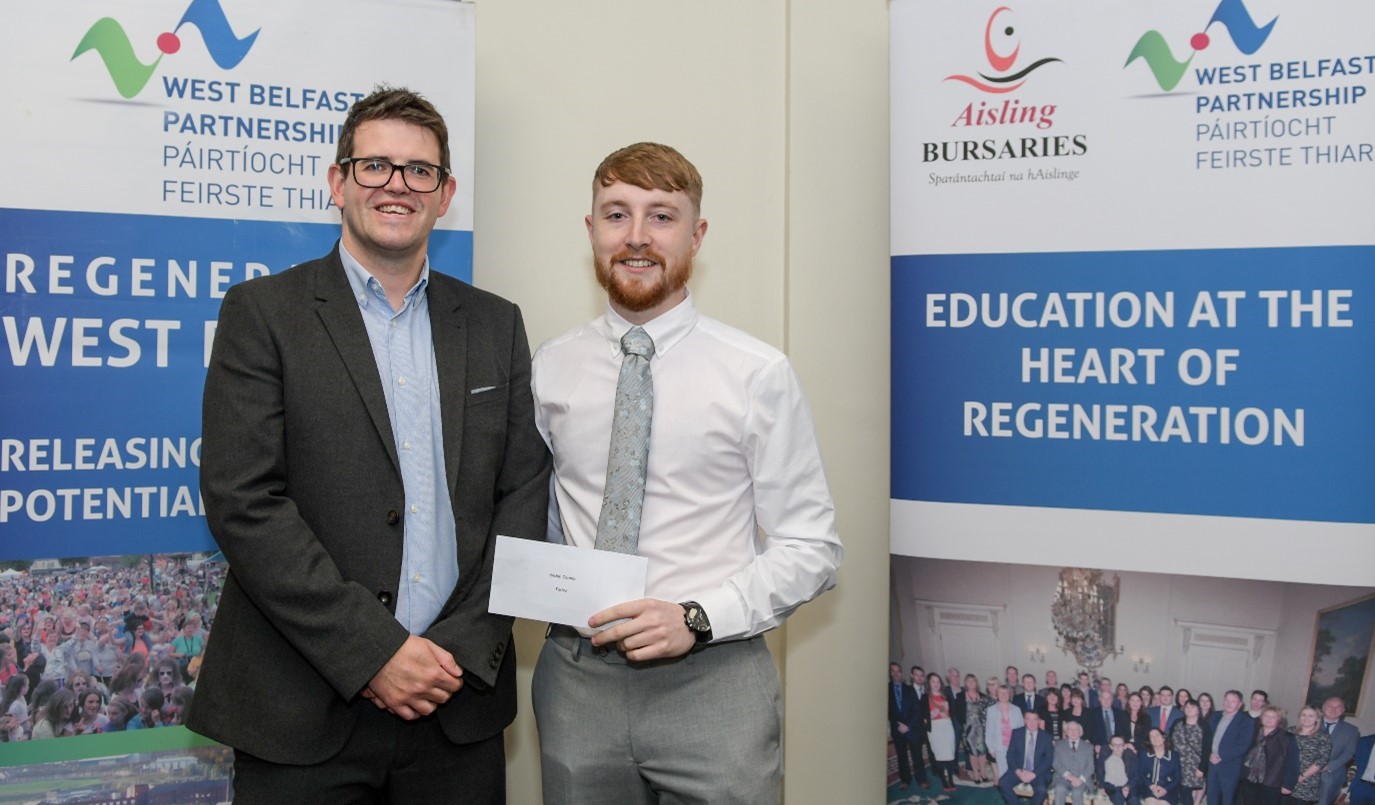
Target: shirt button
[[416, 578], [393, 517], [414, 508], [401, 381], [406, 445]]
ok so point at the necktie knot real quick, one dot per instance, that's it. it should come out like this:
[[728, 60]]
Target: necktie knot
[[637, 342]]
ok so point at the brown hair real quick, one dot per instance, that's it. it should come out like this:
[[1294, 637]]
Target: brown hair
[[394, 103], [651, 166]]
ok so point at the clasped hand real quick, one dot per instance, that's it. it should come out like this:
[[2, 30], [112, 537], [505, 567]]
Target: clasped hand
[[418, 678]]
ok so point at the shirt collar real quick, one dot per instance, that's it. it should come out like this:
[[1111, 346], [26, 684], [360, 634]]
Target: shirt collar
[[366, 287], [666, 329]]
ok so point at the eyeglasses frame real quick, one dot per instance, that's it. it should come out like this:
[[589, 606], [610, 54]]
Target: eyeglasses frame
[[351, 162]]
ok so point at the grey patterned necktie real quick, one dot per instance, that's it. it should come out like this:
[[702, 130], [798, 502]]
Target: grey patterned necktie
[[618, 527]]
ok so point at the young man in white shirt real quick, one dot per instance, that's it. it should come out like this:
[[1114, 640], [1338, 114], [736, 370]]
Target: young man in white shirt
[[680, 697]]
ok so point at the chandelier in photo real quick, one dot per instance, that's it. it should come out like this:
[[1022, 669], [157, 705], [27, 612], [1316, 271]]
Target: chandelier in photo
[[1084, 614]]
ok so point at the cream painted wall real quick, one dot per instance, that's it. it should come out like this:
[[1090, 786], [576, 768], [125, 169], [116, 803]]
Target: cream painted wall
[[838, 338], [782, 105]]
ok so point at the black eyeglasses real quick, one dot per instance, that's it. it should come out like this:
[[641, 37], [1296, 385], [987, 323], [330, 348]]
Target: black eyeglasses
[[373, 172]]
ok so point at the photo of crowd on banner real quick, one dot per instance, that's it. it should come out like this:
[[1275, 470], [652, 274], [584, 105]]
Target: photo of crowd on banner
[[1090, 738], [104, 644]]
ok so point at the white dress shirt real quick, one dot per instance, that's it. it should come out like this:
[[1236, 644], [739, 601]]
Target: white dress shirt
[[732, 451]]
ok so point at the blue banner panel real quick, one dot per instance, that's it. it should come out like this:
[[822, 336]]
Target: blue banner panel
[[1233, 382], [106, 323]]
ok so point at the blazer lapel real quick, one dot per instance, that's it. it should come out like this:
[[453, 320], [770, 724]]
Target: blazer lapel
[[448, 327], [339, 313]]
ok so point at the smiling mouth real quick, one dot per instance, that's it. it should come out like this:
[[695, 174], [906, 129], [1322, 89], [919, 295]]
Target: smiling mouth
[[394, 209], [637, 262]]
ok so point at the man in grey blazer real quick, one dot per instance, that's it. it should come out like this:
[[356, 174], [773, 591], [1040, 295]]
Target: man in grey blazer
[[368, 431], [1344, 739], [1073, 764]]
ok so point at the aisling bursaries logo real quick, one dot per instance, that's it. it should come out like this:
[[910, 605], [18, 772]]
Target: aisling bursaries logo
[[998, 37]]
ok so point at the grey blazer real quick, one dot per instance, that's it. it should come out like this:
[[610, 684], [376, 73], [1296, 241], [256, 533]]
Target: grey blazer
[[1345, 736], [303, 493], [1079, 763]]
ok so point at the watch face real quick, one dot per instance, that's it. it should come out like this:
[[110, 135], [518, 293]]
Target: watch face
[[696, 618]]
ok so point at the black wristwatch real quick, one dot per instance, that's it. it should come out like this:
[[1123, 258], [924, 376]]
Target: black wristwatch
[[696, 619]]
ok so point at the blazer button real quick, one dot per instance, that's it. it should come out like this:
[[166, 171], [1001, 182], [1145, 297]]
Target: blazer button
[[493, 663], [385, 597], [393, 517]]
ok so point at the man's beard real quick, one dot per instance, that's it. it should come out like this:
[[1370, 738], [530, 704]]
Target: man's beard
[[637, 294]]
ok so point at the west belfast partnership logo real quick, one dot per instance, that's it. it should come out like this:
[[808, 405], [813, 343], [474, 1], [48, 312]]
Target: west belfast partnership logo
[[996, 42], [107, 38], [1235, 18]]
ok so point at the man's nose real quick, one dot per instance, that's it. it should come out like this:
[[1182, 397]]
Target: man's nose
[[638, 236], [396, 183]]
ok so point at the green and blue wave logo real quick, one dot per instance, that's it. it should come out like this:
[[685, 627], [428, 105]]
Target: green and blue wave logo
[[108, 39], [1168, 70]]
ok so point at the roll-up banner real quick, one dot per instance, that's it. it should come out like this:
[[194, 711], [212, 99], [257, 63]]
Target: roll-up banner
[[1132, 273], [154, 154]]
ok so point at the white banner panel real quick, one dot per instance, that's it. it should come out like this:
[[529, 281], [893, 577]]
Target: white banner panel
[[157, 152], [1132, 258], [1132, 273]]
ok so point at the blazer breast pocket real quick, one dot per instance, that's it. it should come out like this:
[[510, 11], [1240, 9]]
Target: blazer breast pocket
[[487, 395]]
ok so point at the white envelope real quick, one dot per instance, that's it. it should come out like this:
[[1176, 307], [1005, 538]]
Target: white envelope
[[546, 581]]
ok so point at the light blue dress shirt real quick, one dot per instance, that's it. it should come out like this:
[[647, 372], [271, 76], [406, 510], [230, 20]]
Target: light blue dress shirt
[[403, 346]]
